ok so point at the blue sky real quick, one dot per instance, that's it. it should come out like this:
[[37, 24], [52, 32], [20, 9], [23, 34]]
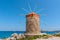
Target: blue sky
[[12, 16]]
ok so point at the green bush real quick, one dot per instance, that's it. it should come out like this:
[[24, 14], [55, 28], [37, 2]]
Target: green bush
[[34, 37], [26, 39], [44, 36], [58, 35]]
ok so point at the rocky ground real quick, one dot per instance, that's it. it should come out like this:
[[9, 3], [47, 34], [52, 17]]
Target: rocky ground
[[53, 38], [16, 36]]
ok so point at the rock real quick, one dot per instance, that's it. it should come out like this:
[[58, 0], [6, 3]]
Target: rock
[[8, 38], [12, 38], [15, 35], [21, 36], [18, 38]]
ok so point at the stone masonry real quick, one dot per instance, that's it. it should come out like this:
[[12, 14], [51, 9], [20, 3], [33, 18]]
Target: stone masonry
[[32, 23]]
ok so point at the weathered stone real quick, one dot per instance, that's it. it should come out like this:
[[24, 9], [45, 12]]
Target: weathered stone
[[32, 24], [21, 36], [12, 38], [8, 38], [14, 35]]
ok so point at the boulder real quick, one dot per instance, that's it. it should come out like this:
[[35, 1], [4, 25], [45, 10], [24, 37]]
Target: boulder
[[12, 38], [21, 36], [15, 35], [8, 38]]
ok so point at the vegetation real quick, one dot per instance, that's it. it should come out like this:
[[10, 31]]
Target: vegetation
[[45, 36], [35, 37], [58, 35], [26, 39]]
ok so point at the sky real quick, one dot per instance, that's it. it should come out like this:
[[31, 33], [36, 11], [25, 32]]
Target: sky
[[12, 16]]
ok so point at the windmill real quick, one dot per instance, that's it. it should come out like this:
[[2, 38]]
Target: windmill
[[32, 21]]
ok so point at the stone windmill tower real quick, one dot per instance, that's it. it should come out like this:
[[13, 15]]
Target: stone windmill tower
[[32, 23]]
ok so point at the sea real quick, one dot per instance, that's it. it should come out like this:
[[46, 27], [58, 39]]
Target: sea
[[6, 34]]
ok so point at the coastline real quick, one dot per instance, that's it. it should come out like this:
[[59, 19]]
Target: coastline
[[42, 36], [52, 38], [7, 34]]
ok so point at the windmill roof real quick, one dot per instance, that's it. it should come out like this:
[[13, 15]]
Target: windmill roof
[[32, 14]]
